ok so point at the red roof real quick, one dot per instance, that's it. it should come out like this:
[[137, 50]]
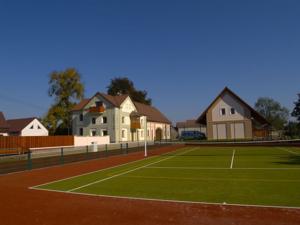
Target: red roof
[[3, 123], [17, 125]]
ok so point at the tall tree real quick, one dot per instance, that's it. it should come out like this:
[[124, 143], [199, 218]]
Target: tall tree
[[272, 110], [66, 88], [296, 111], [122, 85]]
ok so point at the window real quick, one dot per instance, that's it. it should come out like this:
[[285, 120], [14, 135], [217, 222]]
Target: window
[[81, 131], [31, 127], [39, 127], [232, 111], [142, 121], [104, 119], [93, 120], [99, 103], [123, 119], [81, 117], [142, 133], [104, 133], [123, 133], [223, 112], [93, 132], [148, 133]]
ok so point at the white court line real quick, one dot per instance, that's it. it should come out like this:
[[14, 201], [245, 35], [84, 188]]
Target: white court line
[[285, 149], [170, 200], [218, 168], [129, 171], [213, 179], [96, 171], [232, 159]]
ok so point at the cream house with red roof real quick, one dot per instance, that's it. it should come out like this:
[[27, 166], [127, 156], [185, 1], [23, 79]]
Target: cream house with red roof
[[119, 117]]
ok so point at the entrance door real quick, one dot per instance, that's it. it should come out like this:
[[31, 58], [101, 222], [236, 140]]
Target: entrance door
[[219, 131], [158, 134]]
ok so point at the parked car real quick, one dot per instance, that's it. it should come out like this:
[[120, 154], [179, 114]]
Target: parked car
[[192, 135]]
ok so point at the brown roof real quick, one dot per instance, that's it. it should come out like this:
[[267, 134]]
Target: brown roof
[[17, 125], [3, 123], [202, 118], [81, 104], [115, 100], [188, 123], [152, 113]]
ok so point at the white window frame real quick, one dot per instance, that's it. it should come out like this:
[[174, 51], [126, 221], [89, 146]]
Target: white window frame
[[221, 112]]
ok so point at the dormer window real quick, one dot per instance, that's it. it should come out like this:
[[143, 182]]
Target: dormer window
[[223, 112], [232, 111]]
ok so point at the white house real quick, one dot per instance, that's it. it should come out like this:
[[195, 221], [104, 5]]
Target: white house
[[119, 117], [26, 127]]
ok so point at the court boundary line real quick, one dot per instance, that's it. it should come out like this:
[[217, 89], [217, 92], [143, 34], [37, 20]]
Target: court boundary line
[[100, 170], [287, 150], [220, 168], [129, 171], [232, 159], [169, 200]]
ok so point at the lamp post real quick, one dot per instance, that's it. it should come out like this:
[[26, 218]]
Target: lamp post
[[145, 137]]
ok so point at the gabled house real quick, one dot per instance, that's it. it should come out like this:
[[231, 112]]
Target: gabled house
[[26, 127], [230, 117], [120, 118], [4, 127]]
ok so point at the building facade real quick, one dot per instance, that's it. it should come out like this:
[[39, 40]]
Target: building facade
[[190, 125], [119, 117], [229, 117]]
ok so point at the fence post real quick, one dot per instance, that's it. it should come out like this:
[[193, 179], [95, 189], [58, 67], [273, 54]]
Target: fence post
[[29, 161], [62, 156], [121, 148], [106, 150], [87, 151], [127, 148]]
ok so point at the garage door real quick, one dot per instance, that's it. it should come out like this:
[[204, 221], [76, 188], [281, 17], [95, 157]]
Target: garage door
[[219, 131], [237, 131]]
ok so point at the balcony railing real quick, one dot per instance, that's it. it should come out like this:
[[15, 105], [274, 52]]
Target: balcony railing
[[135, 124], [97, 109]]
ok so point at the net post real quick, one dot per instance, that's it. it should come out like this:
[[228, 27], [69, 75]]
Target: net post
[[62, 155], [87, 151], [29, 161]]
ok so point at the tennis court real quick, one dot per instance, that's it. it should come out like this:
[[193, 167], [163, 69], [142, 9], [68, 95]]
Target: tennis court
[[259, 176]]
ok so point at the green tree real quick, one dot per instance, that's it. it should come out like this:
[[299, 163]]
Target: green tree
[[122, 85], [66, 88], [292, 130], [296, 111], [272, 110]]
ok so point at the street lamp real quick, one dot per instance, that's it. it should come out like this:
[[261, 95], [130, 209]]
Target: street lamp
[[145, 137]]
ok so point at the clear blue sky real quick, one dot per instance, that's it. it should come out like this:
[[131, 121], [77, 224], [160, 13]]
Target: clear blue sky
[[182, 52]]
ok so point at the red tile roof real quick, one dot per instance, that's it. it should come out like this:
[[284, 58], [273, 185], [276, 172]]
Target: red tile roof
[[17, 125], [152, 113], [3, 123]]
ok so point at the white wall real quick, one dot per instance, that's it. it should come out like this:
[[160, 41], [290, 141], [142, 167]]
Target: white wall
[[35, 128], [228, 102], [83, 141]]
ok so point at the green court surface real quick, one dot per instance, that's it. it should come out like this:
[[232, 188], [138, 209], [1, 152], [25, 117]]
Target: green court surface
[[264, 176]]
